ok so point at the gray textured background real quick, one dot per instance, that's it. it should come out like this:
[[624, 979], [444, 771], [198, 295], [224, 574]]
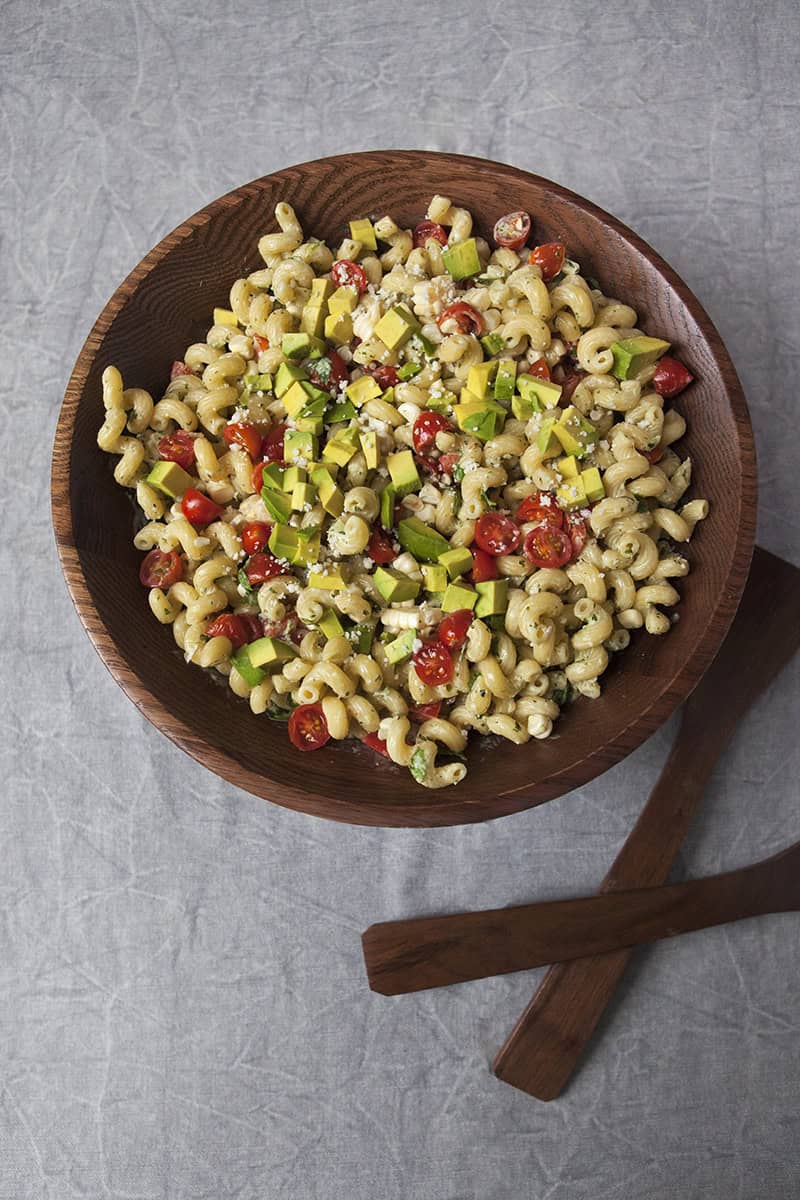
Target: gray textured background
[[182, 1007]]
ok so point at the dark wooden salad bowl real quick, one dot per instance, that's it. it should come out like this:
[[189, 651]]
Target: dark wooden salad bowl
[[165, 304]]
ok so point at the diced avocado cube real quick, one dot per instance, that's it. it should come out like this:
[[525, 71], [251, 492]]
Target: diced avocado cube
[[339, 328], [577, 435], [363, 389], [369, 448], [457, 561], [523, 408], [632, 355], [541, 392], [315, 395], [435, 576], [442, 403], [362, 231], [360, 638], [331, 497], [402, 647], [493, 343], [258, 383], [295, 399], [571, 494], [505, 379], [291, 477], [421, 540], [312, 319], [403, 472], [328, 581], [309, 543], [285, 376], [408, 371], [461, 260], [568, 467], [388, 396], [396, 326], [593, 484], [299, 345], [224, 316], [479, 378], [273, 477], [343, 411], [299, 447], [252, 676], [321, 289], [338, 451], [492, 597], [283, 541], [314, 408], [270, 652], [458, 595], [343, 300], [395, 587], [388, 497], [330, 625], [277, 504], [170, 479], [313, 425], [304, 495], [547, 443], [477, 418]]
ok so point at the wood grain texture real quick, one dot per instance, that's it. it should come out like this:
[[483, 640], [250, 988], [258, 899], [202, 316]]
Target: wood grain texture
[[165, 303]]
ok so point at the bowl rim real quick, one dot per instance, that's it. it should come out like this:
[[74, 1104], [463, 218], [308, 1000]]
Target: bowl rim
[[444, 807]]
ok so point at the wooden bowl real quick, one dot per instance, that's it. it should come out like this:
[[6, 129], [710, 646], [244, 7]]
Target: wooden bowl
[[165, 304]]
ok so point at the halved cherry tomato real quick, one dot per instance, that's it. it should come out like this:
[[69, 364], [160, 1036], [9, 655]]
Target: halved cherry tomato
[[426, 427], [199, 509], [484, 566], [425, 712], [179, 368], [245, 434], [161, 568], [429, 229], [453, 628], [655, 455], [671, 377], [234, 627], [346, 273], [447, 462], [327, 372], [260, 343], [254, 626], [380, 548], [308, 729], [385, 375], [512, 230], [571, 381], [539, 368], [178, 447], [433, 664], [540, 508], [497, 534], [375, 743], [549, 258], [578, 530], [263, 566], [255, 536], [467, 318], [548, 546]]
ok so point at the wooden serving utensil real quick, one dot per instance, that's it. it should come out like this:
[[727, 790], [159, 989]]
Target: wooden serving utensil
[[546, 1044]]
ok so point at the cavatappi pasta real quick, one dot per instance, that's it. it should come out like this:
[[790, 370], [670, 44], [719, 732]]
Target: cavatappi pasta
[[411, 487]]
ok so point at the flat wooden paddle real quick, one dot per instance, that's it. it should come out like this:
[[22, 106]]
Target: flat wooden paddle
[[544, 1048]]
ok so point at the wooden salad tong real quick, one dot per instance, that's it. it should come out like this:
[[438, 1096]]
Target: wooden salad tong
[[544, 1048]]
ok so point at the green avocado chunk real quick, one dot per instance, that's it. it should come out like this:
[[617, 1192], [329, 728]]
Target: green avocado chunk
[[493, 343], [285, 376], [505, 379], [403, 472], [421, 540], [277, 504], [395, 587], [388, 497], [269, 651], [250, 674], [492, 597], [461, 259], [457, 561], [170, 479], [330, 625], [633, 354], [402, 646], [458, 595]]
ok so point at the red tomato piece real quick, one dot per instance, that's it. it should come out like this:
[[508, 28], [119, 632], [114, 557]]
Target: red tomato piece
[[380, 548], [433, 664], [346, 273], [308, 729], [671, 377], [178, 447], [429, 229], [426, 427], [199, 509], [234, 627], [571, 381], [466, 318], [548, 546], [578, 530], [260, 343], [255, 536], [327, 372], [245, 434], [512, 230], [425, 712], [179, 368], [549, 258], [263, 566], [453, 628], [539, 368], [655, 455], [497, 534], [484, 566], [253, 625], [447, 463], [161, 569], [540, 508], [385, 375], [375, 743]]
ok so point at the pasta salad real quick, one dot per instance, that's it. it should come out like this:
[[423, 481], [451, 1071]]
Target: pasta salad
[[419, 485]]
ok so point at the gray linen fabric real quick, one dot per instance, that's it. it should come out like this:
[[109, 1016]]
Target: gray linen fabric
[[182, 1006]]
